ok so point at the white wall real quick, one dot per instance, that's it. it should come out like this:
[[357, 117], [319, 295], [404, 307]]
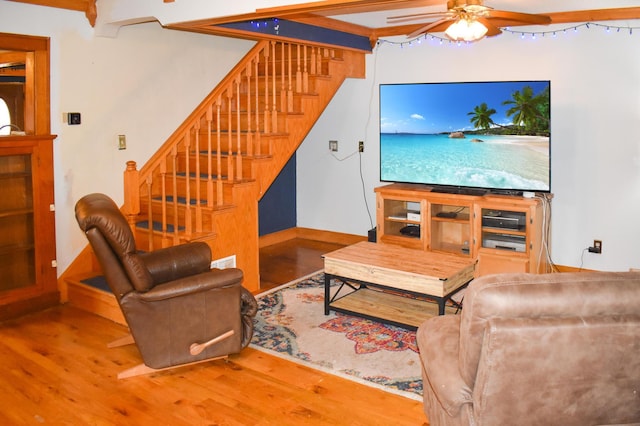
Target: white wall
[[142, 83], [595, 90]]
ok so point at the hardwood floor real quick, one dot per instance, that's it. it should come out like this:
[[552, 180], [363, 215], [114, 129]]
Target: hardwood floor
[[284, 262], [57, 370]]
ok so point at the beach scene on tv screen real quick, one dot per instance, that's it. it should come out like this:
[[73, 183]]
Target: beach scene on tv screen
[[490, 134]]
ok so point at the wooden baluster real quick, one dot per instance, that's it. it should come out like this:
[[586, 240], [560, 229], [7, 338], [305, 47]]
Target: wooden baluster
[[198, 180], [219, 194], [248, 72], [174, 190], [257, 102], [283, 86], [274, 105], [289, 80], [131, 194], [163, 199], [314, 54], [298, 70], [209, 119], [239, 173], [149, 182], [305, 71], [230, 175], [319, 60], [187, 212], [267, 116]]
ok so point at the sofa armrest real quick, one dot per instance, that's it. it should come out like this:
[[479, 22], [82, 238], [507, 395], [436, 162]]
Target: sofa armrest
[[212, 279], [172, 263], [438, 340]]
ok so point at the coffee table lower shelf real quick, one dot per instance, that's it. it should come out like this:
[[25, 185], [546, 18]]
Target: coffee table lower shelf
[[390, 308]]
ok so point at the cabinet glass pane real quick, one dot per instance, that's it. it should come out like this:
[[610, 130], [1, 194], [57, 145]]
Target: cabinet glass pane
[[402, 218], [451, 228], [504, 230], [17, 242]]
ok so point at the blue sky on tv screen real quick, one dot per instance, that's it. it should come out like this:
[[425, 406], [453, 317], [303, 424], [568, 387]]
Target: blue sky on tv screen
[[443, 107]]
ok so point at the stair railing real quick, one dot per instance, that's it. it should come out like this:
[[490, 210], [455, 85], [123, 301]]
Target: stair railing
[[189, 177]]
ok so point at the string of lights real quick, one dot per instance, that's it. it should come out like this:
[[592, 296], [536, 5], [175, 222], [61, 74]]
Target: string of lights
[[520, 33]]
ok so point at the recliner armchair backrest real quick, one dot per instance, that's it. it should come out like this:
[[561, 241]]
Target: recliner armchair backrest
[[561, 295], [100, 215], [548, 344]]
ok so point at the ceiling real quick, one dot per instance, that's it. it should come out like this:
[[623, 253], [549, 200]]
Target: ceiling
[[368, 18]]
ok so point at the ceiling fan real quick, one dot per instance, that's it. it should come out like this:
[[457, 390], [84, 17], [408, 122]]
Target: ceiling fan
[[469, 20]]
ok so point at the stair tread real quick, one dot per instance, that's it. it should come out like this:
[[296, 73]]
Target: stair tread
[[224, 178], [80, 277]]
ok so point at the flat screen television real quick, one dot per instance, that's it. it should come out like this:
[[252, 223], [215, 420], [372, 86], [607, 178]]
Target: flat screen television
[[467, 137]]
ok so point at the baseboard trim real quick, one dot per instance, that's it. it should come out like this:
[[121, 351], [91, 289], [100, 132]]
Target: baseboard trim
[[95, 301], [309, 234], [562, 268]]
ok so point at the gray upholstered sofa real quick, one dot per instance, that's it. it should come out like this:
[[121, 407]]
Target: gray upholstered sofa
[[551, 349]]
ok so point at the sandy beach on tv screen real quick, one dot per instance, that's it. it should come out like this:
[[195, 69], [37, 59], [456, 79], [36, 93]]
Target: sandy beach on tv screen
[[537, 143]]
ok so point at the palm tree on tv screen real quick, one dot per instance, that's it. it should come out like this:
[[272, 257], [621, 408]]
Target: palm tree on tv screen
[[530, 114], [528, 110], [481, 116]]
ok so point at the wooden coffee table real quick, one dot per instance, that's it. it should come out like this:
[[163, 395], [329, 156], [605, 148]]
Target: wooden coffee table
[[392, 283]]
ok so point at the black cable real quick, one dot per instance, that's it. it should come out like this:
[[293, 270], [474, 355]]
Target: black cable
[[582, 259], [364, 192]]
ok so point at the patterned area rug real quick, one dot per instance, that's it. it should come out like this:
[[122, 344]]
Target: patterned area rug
[[291, 324]]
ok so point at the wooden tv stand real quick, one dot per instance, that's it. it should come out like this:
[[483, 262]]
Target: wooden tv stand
[[503, 233]]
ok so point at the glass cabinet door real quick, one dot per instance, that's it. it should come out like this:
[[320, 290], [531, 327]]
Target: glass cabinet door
[[17, 244]]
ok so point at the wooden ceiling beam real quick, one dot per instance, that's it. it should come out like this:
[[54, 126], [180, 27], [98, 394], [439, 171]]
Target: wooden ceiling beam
[[572, 17], [346, 7], [594, 15], [86, 6]]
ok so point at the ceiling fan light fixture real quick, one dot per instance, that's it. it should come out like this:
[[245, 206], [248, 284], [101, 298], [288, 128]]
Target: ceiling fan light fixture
[[465, 29]]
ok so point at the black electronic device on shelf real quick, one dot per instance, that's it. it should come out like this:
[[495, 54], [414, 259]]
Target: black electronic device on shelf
[[411, 231], [504, 219]]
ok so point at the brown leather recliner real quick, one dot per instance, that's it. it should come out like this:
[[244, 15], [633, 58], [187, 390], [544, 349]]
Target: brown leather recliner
[[179, 311], [549, 349]]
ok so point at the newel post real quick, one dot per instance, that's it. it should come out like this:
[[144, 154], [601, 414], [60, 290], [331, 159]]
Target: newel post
[[131, 193]]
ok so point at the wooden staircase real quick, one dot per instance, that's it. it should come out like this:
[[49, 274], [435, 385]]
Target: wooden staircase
[[205, 181]]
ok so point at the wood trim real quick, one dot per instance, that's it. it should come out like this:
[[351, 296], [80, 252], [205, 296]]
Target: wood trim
[[32, 304], [562, 268], [277, 237], [86, 6], [309, 234], [37, 88], [594, 15]]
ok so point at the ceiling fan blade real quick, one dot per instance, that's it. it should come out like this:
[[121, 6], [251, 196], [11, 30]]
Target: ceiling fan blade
[[415, 16], [433, 27], [519, 17], [492, 30]]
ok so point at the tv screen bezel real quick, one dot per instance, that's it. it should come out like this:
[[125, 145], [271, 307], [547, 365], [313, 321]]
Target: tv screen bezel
[[476, 190]]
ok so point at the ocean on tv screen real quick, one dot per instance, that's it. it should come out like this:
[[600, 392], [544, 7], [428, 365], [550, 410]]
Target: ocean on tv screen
[[486, 161]]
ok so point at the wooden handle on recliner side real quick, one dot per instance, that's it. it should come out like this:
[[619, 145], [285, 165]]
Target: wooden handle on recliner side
[[197, 348]]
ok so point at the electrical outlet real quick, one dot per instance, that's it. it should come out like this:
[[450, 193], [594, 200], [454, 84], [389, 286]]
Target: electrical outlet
[[224, 263], [597, 244], [333, 146], [361, 146], [597, 247]]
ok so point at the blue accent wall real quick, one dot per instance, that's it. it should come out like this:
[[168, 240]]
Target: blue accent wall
[[277, 208], [300, 31]]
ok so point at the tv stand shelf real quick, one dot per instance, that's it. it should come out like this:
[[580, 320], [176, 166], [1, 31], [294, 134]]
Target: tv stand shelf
[[504, 233]]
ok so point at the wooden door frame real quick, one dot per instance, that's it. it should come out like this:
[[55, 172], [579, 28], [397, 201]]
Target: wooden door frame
[[37, 110]]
